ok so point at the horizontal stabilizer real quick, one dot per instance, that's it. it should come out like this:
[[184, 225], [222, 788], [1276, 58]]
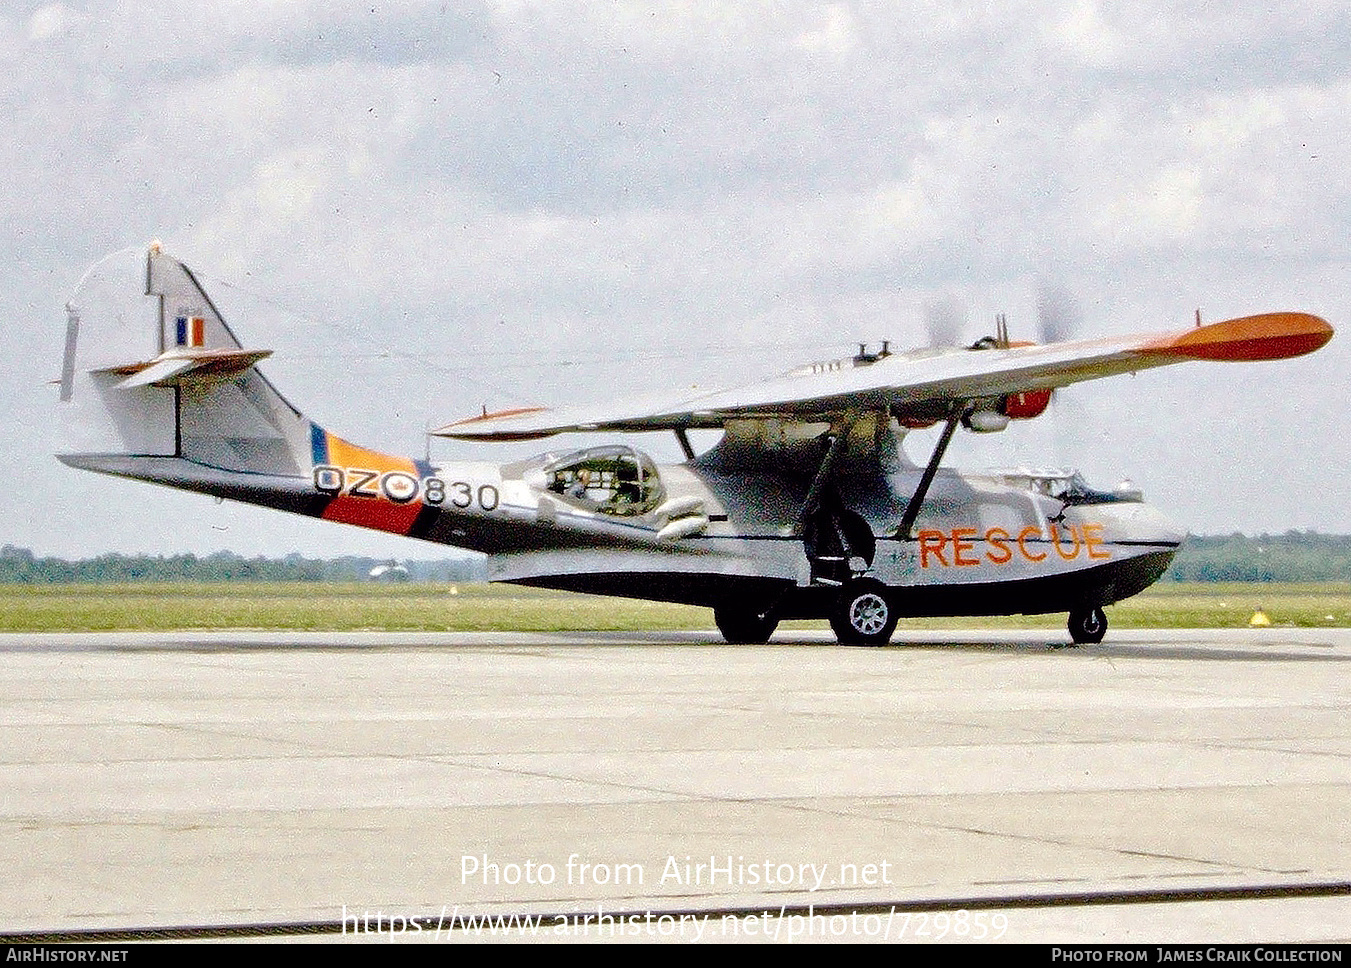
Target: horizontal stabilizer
[[174, 367]]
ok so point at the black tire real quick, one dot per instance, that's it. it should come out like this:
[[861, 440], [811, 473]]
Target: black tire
[[863, 614], [1087, 625], [740, 626]]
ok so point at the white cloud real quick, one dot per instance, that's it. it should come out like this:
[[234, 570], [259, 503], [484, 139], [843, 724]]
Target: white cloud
[[50, 21], [1084, 33], [836, 36], [1165, 209], [508, 185]]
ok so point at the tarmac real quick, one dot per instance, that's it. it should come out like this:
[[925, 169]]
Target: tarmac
[[1162, 787]]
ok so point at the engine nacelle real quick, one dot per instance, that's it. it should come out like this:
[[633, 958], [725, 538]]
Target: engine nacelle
[[1025, 405], [1016, 406], [916, 423]]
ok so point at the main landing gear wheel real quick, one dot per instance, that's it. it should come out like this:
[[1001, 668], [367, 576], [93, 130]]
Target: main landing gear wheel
[[1088, 626], [863, 615], [741, 626]]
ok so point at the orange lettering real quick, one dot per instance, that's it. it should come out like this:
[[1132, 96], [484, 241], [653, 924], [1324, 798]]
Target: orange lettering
[[959, 546], [1001, 553], [1060, 550], [927, 546], [1092, 541], [1023, 535]]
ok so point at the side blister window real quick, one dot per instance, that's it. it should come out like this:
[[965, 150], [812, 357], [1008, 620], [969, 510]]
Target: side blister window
[[611, 480]]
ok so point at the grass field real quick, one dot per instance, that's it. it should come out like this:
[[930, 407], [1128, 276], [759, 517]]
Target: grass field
[[439, 607]]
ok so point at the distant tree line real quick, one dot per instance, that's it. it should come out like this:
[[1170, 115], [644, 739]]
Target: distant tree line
[[1293, 556], [21, 566]]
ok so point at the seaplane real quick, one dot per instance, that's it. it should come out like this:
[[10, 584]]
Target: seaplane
[[806, 508]]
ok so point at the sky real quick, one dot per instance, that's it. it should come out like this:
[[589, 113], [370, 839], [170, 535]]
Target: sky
[[426, 208]]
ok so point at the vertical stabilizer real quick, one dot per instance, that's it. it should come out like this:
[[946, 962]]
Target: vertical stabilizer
[[188, 319], [152, 369], [156, 387]]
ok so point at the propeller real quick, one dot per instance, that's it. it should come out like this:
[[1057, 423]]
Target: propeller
[[944, 320], [1059, 315], [1060, 318]]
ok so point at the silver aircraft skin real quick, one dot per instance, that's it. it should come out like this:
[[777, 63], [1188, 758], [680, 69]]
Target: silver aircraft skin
[[806, 508]]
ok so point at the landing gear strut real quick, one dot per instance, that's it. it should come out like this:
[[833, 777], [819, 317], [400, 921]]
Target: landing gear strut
[[839, 542], [1087, 626], [863, 615]]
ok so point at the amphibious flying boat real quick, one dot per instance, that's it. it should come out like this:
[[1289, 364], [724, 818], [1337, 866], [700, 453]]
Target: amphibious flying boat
[[806, 508]]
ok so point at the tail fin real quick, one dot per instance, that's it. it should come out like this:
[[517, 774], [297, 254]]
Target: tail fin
[[156, 387], [162, 375]]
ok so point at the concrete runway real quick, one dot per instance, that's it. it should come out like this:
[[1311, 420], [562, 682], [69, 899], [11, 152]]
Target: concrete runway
[[260, 779]]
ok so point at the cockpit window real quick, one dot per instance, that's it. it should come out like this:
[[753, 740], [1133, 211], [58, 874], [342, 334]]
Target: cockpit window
[[612, 480], [1070, 487]]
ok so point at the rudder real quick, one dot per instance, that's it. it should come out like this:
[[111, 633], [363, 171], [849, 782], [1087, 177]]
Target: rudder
[[162, 375]]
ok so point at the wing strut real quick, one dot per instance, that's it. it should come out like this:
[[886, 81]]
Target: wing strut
[[839, 543], [837, 445], [684, 439], [959, 410]]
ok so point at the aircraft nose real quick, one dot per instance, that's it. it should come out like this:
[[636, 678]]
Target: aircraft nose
[[1169, 531], [1145, 523]]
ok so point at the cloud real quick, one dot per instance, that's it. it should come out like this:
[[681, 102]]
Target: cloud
[[50, 21], [712, 189]]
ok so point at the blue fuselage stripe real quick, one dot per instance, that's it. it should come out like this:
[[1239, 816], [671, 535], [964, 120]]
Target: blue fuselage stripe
[[318, 444]]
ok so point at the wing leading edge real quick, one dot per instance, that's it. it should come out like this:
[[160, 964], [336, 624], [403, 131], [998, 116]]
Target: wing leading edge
[[920, 384]]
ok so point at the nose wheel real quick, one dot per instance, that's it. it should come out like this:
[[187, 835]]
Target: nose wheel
[[1088, 626]]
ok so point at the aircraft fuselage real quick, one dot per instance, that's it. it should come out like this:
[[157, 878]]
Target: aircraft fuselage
[[989, 543]]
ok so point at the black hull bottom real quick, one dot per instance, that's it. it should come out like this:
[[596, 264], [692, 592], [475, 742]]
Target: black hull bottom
[[1087, 588]]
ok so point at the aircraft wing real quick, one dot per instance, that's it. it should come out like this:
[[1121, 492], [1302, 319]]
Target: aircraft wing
[[920, 385]]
